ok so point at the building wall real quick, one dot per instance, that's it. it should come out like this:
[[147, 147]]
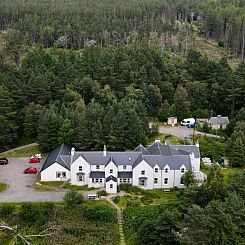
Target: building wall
[[94, 169], [148, 174], [75, 169], [96, 185], [110, 166], [114, 186], [49, 174], [158, 176], [177, 177], [170, 175], [128, 168]]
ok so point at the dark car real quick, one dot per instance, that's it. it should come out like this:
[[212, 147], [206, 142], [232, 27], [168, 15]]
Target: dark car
[[30, 170], [4, 161]]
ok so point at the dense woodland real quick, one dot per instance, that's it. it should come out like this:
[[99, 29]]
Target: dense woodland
[[90, 73]]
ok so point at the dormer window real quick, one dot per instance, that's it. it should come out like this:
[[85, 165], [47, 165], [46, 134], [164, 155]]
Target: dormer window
[[166, 170], [143, 172], [97, 166], [156, 170], [80, 168], [124, 166], [111, 171], [182, 170]]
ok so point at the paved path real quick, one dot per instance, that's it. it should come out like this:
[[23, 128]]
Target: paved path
[[182, 132], [119, 220], [20, 148]]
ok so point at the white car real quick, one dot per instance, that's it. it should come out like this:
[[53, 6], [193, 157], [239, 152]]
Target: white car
[[36, 156], [188, 121]]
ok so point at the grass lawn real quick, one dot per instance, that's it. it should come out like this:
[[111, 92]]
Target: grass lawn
[[163, 137], [27, 152], [159, 197], [228, 171], [3, 187]]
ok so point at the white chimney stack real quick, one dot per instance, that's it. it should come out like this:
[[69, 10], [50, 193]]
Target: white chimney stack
[[104, 151], [72, 151], [197, 143]]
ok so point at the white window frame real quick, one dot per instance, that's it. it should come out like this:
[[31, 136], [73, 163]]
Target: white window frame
[[142, 172], [111, 171], [156, 170], [97, 166], [82, 178], [155, 180], [124, 166], [60, 174], [80, 168], [166, 170], [182, 170], [111, 186], [165, 181]]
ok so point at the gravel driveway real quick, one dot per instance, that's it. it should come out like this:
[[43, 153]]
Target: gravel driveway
[[182, 131], [20, 185]]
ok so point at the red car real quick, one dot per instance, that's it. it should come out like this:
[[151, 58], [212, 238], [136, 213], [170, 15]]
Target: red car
[[34, 160], [30, 170]]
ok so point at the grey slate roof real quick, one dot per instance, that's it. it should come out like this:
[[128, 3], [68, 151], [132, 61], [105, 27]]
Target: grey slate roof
[[111, 178], [61, 155], [219, 120], [174, 162], [156, 154], [97, 174], [124, 175]]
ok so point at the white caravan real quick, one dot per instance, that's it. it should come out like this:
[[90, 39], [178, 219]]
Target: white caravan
[[187, 121]]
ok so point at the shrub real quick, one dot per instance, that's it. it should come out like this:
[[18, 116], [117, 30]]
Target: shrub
[[146, 200], [102, 193], [6, 211], [73, 199], [116, 199], [100, 212]]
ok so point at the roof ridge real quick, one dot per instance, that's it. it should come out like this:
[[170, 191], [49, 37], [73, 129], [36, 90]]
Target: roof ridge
[[59, 152]]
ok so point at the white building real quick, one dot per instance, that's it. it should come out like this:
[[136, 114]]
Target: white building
[[218, 122], [158, 166]]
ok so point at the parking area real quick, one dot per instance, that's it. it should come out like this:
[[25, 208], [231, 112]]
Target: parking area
[[182, 132], [20, 185]]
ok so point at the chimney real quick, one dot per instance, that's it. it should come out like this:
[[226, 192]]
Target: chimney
[[218, 115], [72, 151], [157, 141], [104, 151], [197, 143]]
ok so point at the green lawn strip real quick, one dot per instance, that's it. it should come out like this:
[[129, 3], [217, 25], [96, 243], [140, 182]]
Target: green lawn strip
[[3, 187], [163, 137], [27, 152], [228, 171]]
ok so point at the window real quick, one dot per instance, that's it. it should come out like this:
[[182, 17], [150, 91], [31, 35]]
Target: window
[[166, 170], [92, 180], [100, 180], [120, 180], [60, 174], [155, 180], [97, 166], [156, 170], [80, 168], [124, 167], [81, 178], [124, 180], [97, 180], [128, 180], [142, 182], [182, 170], [165, 181], [181, 181], [143, 172], [111, 171], [111, 186]]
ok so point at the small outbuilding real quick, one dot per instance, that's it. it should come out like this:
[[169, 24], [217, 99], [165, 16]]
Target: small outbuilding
[[172, 120], [218, 122]]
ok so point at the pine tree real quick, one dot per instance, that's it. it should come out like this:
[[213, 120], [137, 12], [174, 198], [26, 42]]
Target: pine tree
[[237, 154], [66, 133], [7, 118]]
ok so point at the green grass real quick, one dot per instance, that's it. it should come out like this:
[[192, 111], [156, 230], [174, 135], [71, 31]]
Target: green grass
[[228, 171], [27, 152], [163, 137], [3, 187], [78, 188]]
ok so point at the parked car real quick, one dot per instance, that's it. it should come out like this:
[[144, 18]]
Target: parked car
[[30, 170], [4, 161], [34, 160], [37, 156], [191, 126]]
